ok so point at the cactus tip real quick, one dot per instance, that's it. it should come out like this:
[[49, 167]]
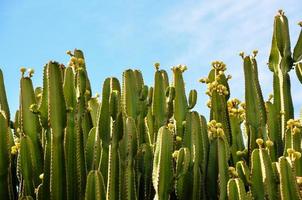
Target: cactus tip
[[280, 12], [300, 23]]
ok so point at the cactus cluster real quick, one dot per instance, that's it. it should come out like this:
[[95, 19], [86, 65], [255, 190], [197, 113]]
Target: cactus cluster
[[141, 142]]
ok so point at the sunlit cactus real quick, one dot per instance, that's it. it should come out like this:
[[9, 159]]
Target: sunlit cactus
[[136, 142]]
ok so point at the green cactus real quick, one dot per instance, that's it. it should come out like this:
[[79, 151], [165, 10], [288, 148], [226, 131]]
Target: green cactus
[[95, 188], [280, 63], [288, 184], [180, 100], [128, 151], [141, 142], [162, 175], [219, 92], [4, 157], [255, 108], [236, 189], [57, 121], [3, 98]]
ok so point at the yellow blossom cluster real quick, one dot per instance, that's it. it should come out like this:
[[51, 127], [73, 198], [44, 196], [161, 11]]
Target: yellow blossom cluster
[[294, 126], [235, 109], [215, 129]]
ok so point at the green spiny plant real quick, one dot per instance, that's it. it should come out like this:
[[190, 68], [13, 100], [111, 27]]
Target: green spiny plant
[[148, 142]]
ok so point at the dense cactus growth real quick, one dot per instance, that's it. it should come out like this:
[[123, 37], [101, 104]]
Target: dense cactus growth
[[140, 142]]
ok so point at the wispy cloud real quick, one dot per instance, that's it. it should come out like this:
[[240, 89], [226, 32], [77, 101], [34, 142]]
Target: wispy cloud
[[220, 30]]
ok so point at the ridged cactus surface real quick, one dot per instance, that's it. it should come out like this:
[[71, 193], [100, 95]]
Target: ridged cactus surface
[[139, 142]]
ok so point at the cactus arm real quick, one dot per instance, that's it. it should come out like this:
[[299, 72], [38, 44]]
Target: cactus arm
[[26, 165], [4, 156], [43, 107], [193, 140], [280, 62], [144, 162], [47, 160], [236, 118], [218, 90], [297, 55], [255, 109], [159, 108], [298, 69], [3, 98], [257, 187], [288, 185], [223, 157], [273, 131], [128, 150], [104, 122], [70, 133], [243, 173], [30, 126], [269, 180], [113, 192], [232, 190], [95, 187], [236, 189], [92, 150], [192, 99], [212, 170], [184, 176], [162, 175], [180, 100], [93, 106], [57, 121], [130, 97]]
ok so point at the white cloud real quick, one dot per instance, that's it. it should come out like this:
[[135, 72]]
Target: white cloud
[[220, 30]]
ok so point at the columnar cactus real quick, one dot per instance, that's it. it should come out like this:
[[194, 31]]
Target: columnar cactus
[[141, 142]]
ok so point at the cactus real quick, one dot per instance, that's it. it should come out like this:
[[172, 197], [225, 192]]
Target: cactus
[[236, 189], [4, 157], [162, 175], [255, 107], [280, 63], [57, 121], [95, 188], [146, 142]]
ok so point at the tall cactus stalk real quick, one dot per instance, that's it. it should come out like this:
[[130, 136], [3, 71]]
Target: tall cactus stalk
[[146, 142], [255, 108], [280, 63], [57, 121], [162, 175], [4, 156]]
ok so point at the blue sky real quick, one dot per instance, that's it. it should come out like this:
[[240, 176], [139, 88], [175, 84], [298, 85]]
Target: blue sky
[[116, 35]]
